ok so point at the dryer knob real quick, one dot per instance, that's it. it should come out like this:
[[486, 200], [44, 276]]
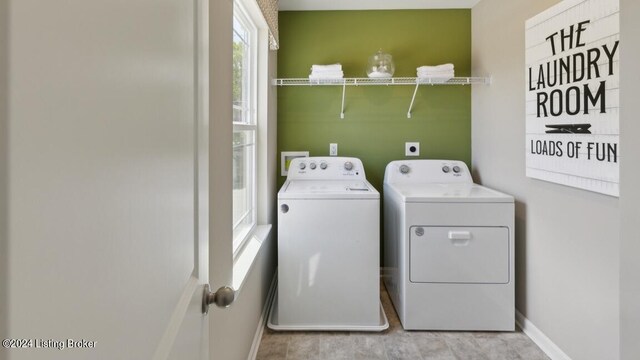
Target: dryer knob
[[323, 165], [348, 165], [302, 166], [404, 169], [456, 169], [445, 169], [312, 166]]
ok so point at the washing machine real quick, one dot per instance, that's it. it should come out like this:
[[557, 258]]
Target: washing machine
[[328, 248], [448, 248]]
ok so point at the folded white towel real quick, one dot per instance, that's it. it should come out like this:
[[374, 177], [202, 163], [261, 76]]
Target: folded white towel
[[441, 71], [443, 67], [321, 72], [334, 75], [332, 67], [433, 79], [435, 73], [434, 76]]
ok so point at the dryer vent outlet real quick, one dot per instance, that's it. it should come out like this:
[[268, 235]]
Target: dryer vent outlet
[[412, 149]]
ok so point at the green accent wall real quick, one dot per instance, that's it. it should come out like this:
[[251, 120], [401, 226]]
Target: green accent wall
[[375, 126]]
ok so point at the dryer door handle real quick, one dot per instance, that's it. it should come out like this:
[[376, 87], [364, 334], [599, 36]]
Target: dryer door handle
[[459, 235]]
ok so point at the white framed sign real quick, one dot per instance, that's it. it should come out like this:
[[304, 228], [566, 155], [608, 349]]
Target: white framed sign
[[572, 95]]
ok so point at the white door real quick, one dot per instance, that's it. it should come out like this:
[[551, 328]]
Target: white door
[[105, 242]]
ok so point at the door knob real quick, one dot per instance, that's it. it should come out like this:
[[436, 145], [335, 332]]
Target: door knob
[[223, 297]]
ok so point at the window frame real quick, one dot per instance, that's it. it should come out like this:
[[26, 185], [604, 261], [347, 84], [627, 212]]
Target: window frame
[[249, 122]]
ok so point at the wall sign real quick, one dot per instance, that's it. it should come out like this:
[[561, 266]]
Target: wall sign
[[572, 95]]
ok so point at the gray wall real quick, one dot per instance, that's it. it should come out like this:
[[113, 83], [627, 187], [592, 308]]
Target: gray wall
[[630, 178], [567, 240], [234, 328]]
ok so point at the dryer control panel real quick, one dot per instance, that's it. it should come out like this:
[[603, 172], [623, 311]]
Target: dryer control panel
[[326, 168], [427, 171]]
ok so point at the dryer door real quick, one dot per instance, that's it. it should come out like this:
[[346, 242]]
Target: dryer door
[[444, 254]]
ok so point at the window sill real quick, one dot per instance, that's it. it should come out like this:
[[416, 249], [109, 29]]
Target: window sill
[[246, 257]]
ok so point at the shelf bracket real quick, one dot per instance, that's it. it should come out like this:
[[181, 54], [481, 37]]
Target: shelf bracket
[[344, 89], [413, 98]]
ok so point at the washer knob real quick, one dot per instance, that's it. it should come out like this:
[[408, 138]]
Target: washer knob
[[404, 169], [323, 165], [456, 169], [312, 166], [302, 166], [445, 169], [348, 165]]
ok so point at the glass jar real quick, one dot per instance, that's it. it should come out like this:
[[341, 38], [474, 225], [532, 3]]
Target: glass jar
[[380, 65]]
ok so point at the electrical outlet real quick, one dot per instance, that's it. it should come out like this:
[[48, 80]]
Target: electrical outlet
[[333, 149], [412, 149]]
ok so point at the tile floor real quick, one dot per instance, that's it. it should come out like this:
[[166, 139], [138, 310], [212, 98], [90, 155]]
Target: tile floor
[[397, 344]]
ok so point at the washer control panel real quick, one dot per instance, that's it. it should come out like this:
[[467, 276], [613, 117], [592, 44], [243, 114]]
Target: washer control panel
[[326, 168], [427, 171]]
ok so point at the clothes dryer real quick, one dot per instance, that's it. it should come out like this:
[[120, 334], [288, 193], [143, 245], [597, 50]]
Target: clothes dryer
[[448, 248]]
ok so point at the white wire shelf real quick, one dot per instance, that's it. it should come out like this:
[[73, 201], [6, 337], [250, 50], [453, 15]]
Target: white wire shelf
[[381, 81], [344, 82]]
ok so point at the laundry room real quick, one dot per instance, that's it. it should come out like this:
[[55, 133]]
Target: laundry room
[[319, 179], [482, 125]]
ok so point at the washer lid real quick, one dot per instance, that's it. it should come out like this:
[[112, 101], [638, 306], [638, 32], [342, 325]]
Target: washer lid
[[327, 189], [463, 193]]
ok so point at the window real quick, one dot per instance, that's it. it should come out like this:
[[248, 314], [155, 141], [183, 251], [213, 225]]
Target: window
[[244, 127]]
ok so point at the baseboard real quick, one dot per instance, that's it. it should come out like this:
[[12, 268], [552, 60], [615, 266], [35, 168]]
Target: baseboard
[[537, 336], [263, 318]]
